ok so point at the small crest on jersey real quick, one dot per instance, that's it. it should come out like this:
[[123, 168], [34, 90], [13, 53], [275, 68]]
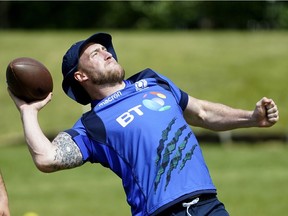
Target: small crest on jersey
[[141, 84]]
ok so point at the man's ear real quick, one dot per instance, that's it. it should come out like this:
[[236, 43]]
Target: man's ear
[[80, 76]]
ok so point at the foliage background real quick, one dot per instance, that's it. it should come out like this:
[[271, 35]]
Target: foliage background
[[144, 14]]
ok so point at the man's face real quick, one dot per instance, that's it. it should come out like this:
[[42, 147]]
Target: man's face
[[99, 65]]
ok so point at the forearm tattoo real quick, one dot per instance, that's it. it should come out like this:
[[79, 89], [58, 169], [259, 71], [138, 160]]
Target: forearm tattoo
[[67, 153]]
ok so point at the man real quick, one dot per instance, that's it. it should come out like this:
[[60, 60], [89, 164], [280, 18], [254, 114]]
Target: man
[[139, 128], [4, 207]]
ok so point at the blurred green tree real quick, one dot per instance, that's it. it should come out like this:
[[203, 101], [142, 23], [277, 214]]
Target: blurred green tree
[[144, 14]]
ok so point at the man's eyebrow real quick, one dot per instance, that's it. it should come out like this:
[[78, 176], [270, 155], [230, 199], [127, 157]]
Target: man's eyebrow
[[95, 50], [98, 49]]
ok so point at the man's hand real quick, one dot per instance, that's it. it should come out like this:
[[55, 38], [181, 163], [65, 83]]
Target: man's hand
[[4, 207], [266, 112], [37, 105]]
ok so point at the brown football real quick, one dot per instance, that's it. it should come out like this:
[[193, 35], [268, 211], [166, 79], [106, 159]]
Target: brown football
[[28, 79]]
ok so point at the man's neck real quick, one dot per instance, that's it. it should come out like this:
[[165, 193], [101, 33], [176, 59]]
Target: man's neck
[[102, 91]]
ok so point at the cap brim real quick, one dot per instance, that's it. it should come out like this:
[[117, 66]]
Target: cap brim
[[101, 38], [72, 87], [74, 90]]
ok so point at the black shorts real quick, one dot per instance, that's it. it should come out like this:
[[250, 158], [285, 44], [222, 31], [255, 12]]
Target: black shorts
[[208, 205]]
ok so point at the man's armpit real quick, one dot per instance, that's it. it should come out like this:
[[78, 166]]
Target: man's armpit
[[67, 154]]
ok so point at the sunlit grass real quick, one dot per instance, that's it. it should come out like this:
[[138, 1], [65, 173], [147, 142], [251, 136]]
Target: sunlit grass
[[235, 68], [251, 181]]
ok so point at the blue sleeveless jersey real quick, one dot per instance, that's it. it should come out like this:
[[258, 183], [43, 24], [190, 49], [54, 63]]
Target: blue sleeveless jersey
[[140, 134]]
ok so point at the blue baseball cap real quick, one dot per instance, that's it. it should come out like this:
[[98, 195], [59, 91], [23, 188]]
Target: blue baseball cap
[[70, 65]]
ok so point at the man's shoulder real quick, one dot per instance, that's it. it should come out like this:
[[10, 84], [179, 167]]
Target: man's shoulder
[[144, 74]]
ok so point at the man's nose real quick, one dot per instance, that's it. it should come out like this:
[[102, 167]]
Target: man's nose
[[106, 55]]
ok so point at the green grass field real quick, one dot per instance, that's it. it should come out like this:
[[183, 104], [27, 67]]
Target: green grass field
[[251, 181], [235, 68]]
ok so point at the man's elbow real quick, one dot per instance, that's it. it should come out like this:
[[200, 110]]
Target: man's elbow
[[45, 166]]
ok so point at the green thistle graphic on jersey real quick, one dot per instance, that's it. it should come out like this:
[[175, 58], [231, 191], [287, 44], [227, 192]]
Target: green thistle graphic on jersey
[[165, 150]]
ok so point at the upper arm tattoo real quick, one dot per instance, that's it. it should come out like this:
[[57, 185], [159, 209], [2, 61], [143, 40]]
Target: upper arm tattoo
[[67, 154]]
